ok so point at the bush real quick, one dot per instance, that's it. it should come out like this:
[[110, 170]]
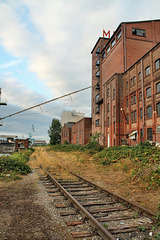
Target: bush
[[143, 152], [93, 144], [16, 164]]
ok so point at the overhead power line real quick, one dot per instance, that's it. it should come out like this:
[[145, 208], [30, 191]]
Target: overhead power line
[[52, 100]]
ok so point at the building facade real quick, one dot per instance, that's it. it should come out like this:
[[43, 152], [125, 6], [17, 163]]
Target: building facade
[[66, 134], [81, 131], [111, 60], [141, 104]]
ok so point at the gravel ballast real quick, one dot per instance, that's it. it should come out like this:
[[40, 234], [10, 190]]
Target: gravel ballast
[[27, 212]]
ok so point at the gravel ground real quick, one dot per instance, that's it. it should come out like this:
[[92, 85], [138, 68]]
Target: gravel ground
[[27, 212]]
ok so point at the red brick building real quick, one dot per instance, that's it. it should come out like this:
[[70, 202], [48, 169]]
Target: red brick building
[[81, 131], [66, 133], [111, 71], [141, 105], [21, 143]]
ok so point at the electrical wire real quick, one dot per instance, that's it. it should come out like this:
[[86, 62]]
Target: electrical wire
[[38, 105]]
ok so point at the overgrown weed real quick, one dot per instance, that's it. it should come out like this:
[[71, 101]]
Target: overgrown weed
[[11, 167]]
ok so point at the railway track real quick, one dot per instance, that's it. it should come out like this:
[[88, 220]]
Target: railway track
[[92, 212]]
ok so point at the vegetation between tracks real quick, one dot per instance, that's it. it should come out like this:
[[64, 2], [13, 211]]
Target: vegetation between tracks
[[11, 167]]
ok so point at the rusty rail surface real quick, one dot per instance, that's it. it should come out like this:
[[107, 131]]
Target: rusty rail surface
[[125, 201], [99, 228]]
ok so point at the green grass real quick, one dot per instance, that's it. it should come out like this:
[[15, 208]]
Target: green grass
[[11, 167], [145, 159]]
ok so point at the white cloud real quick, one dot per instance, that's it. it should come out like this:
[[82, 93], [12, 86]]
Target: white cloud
[[11, 63]]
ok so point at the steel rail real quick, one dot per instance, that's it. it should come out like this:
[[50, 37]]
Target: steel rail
[[98, 227], [133, 205]]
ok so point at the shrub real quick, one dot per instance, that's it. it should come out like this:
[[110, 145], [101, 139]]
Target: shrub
[[16, 164]]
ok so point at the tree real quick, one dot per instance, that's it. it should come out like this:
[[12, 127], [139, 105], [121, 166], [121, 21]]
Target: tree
[[54, 132]]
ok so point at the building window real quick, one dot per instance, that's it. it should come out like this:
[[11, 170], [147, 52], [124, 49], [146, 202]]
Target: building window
[[148, 92], [108, 107], [97, 51], [149, 134], [127, 118], [103, 55], [97, 110], [127, 85], [127, 102], [132, 117], [114, 125], [107, 92], [134, 80], [108, 122], [135, 116], [149, 112], [157, 64], [138, 32], [158, 87], [98, 86], [131, 81], [98, 74], [97, 98], [114, 95], [114, 142], [97, 63], [108, 49], [132, 100], [141, 135], [119, 34], [158, 109], [113, 42], [140, 96], [114, 111], [148, 71], [97, 123], [141, 114], [139, 76]]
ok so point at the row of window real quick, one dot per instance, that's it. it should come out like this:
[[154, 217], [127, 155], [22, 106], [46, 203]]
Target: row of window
[[149, 134], [114, 93], [147, 72], [64, 134], [134, 115], [118, 36], [148, 114], [135, 31], [148, 94]]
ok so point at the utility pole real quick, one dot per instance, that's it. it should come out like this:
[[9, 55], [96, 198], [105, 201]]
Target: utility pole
[[2, 103]]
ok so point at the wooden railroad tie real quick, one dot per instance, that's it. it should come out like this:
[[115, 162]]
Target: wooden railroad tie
[[81, 234]]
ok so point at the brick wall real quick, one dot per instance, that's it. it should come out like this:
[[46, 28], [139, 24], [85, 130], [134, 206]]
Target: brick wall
[[81, 131]]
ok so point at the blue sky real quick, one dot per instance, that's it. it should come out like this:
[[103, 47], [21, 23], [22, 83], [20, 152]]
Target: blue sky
[[45, 51]]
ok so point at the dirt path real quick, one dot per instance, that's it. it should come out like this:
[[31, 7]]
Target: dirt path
[[27, 212]]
